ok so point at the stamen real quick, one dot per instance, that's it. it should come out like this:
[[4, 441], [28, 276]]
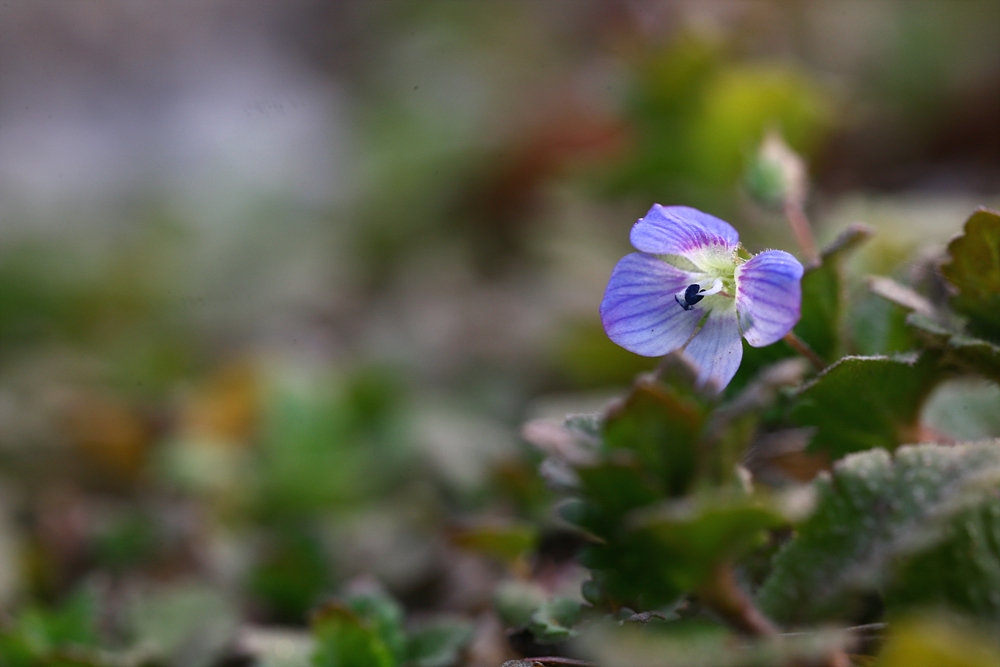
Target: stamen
[[689, 296], [715, 289]]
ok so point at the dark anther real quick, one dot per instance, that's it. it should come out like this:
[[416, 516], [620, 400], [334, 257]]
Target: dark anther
[[691, 297]]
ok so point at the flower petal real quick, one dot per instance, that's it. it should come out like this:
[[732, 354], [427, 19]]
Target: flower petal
[[639, 311], [769, 296], [680, 230], [717, 350]]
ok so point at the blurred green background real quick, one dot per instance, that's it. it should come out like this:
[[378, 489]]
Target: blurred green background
[[279, 282]]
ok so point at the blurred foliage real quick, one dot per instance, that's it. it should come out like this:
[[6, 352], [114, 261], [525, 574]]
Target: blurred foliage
[[366, 630], [925, 641], [40, 636], [282, 346], [697, 116]]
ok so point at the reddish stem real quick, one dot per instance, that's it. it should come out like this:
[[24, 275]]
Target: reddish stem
[[803, 348], [796, 215], [726, 597]]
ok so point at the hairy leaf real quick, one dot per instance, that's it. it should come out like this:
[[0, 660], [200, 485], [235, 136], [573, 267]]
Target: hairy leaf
[[865, 402], [874, 511], [962, 571]]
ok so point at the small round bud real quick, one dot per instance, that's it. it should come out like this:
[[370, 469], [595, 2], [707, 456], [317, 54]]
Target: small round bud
[[776, 174]]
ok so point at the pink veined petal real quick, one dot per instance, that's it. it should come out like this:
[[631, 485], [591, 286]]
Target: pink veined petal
[[639, 311], [769, 296], [717, 349], [680, 230]]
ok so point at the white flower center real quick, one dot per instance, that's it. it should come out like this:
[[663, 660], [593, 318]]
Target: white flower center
[[713, 272], [715, 289]]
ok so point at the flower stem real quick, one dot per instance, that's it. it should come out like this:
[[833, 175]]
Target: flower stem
[[803, 348], [725, 597], [796, 215]]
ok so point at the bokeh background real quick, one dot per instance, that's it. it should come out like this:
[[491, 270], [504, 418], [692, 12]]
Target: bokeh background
[[279, 282]]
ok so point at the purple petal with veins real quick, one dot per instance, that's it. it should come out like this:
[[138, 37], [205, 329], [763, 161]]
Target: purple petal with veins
[[717, 350], [639, 311], [679, 230], [769, 296]]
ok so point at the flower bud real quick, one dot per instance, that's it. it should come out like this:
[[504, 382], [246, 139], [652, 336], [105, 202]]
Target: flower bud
[[776, 174]]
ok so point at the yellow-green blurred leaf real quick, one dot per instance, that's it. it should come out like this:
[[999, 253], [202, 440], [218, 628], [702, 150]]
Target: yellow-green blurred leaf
[[936, 642]]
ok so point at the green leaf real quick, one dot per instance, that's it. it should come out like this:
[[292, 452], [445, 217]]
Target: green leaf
[[521, 604], [362, 630], [961, 572], [611, 489], [73, 622], [823, 295], [875, 510], [822, 308], [879, 319], [506, 541], [866, 402], [964, 409], [663, 551], [37, 636], [515, 601], [657, 538], [345, 640], [585, 426], [438, 643], [940, 330], [291, 572], [626, 574], [969, 353], [660, 428], [974, 268], [692, 538], [554, 619], [382, 614], [16, 650]]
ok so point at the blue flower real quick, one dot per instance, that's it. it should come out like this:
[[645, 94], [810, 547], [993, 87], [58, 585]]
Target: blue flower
[[690, 288]]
